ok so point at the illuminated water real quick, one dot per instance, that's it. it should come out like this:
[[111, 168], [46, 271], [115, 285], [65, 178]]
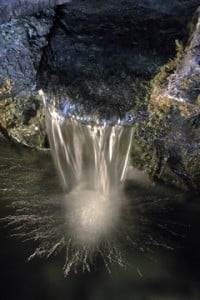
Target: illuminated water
[[98, 215], [92, 216], [157, 238], [91, 161]]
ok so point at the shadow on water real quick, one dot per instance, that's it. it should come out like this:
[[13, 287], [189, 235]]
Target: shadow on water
[[157, 235]]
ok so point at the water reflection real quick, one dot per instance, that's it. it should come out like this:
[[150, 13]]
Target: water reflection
[[159, 252]]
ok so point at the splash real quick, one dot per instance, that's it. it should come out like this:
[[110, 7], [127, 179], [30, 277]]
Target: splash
[[143, 222]]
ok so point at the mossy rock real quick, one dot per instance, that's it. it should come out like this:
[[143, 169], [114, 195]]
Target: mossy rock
[[167, 145]]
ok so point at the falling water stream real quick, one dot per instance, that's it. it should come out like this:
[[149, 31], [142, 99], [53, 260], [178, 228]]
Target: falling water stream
[[92, 157], [91, 160]]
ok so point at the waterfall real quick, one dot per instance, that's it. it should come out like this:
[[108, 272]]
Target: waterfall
[[91, 160], [92, 217], [90, 157]]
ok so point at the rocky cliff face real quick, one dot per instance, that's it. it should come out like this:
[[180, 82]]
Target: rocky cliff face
[[168, 143], [104, 56], [21, 48], [10, 9]]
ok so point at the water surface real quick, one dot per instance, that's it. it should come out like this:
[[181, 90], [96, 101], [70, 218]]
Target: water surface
[[157, 236]]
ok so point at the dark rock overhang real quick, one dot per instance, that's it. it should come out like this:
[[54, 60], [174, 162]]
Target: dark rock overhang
[[10, 9]]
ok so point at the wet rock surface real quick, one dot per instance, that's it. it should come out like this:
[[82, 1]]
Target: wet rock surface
[[167, 145], [183, 85], [10, 9], [102, 56], [21, 44]]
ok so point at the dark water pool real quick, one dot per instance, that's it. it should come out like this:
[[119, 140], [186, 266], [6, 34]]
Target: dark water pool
[[163, 261]]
